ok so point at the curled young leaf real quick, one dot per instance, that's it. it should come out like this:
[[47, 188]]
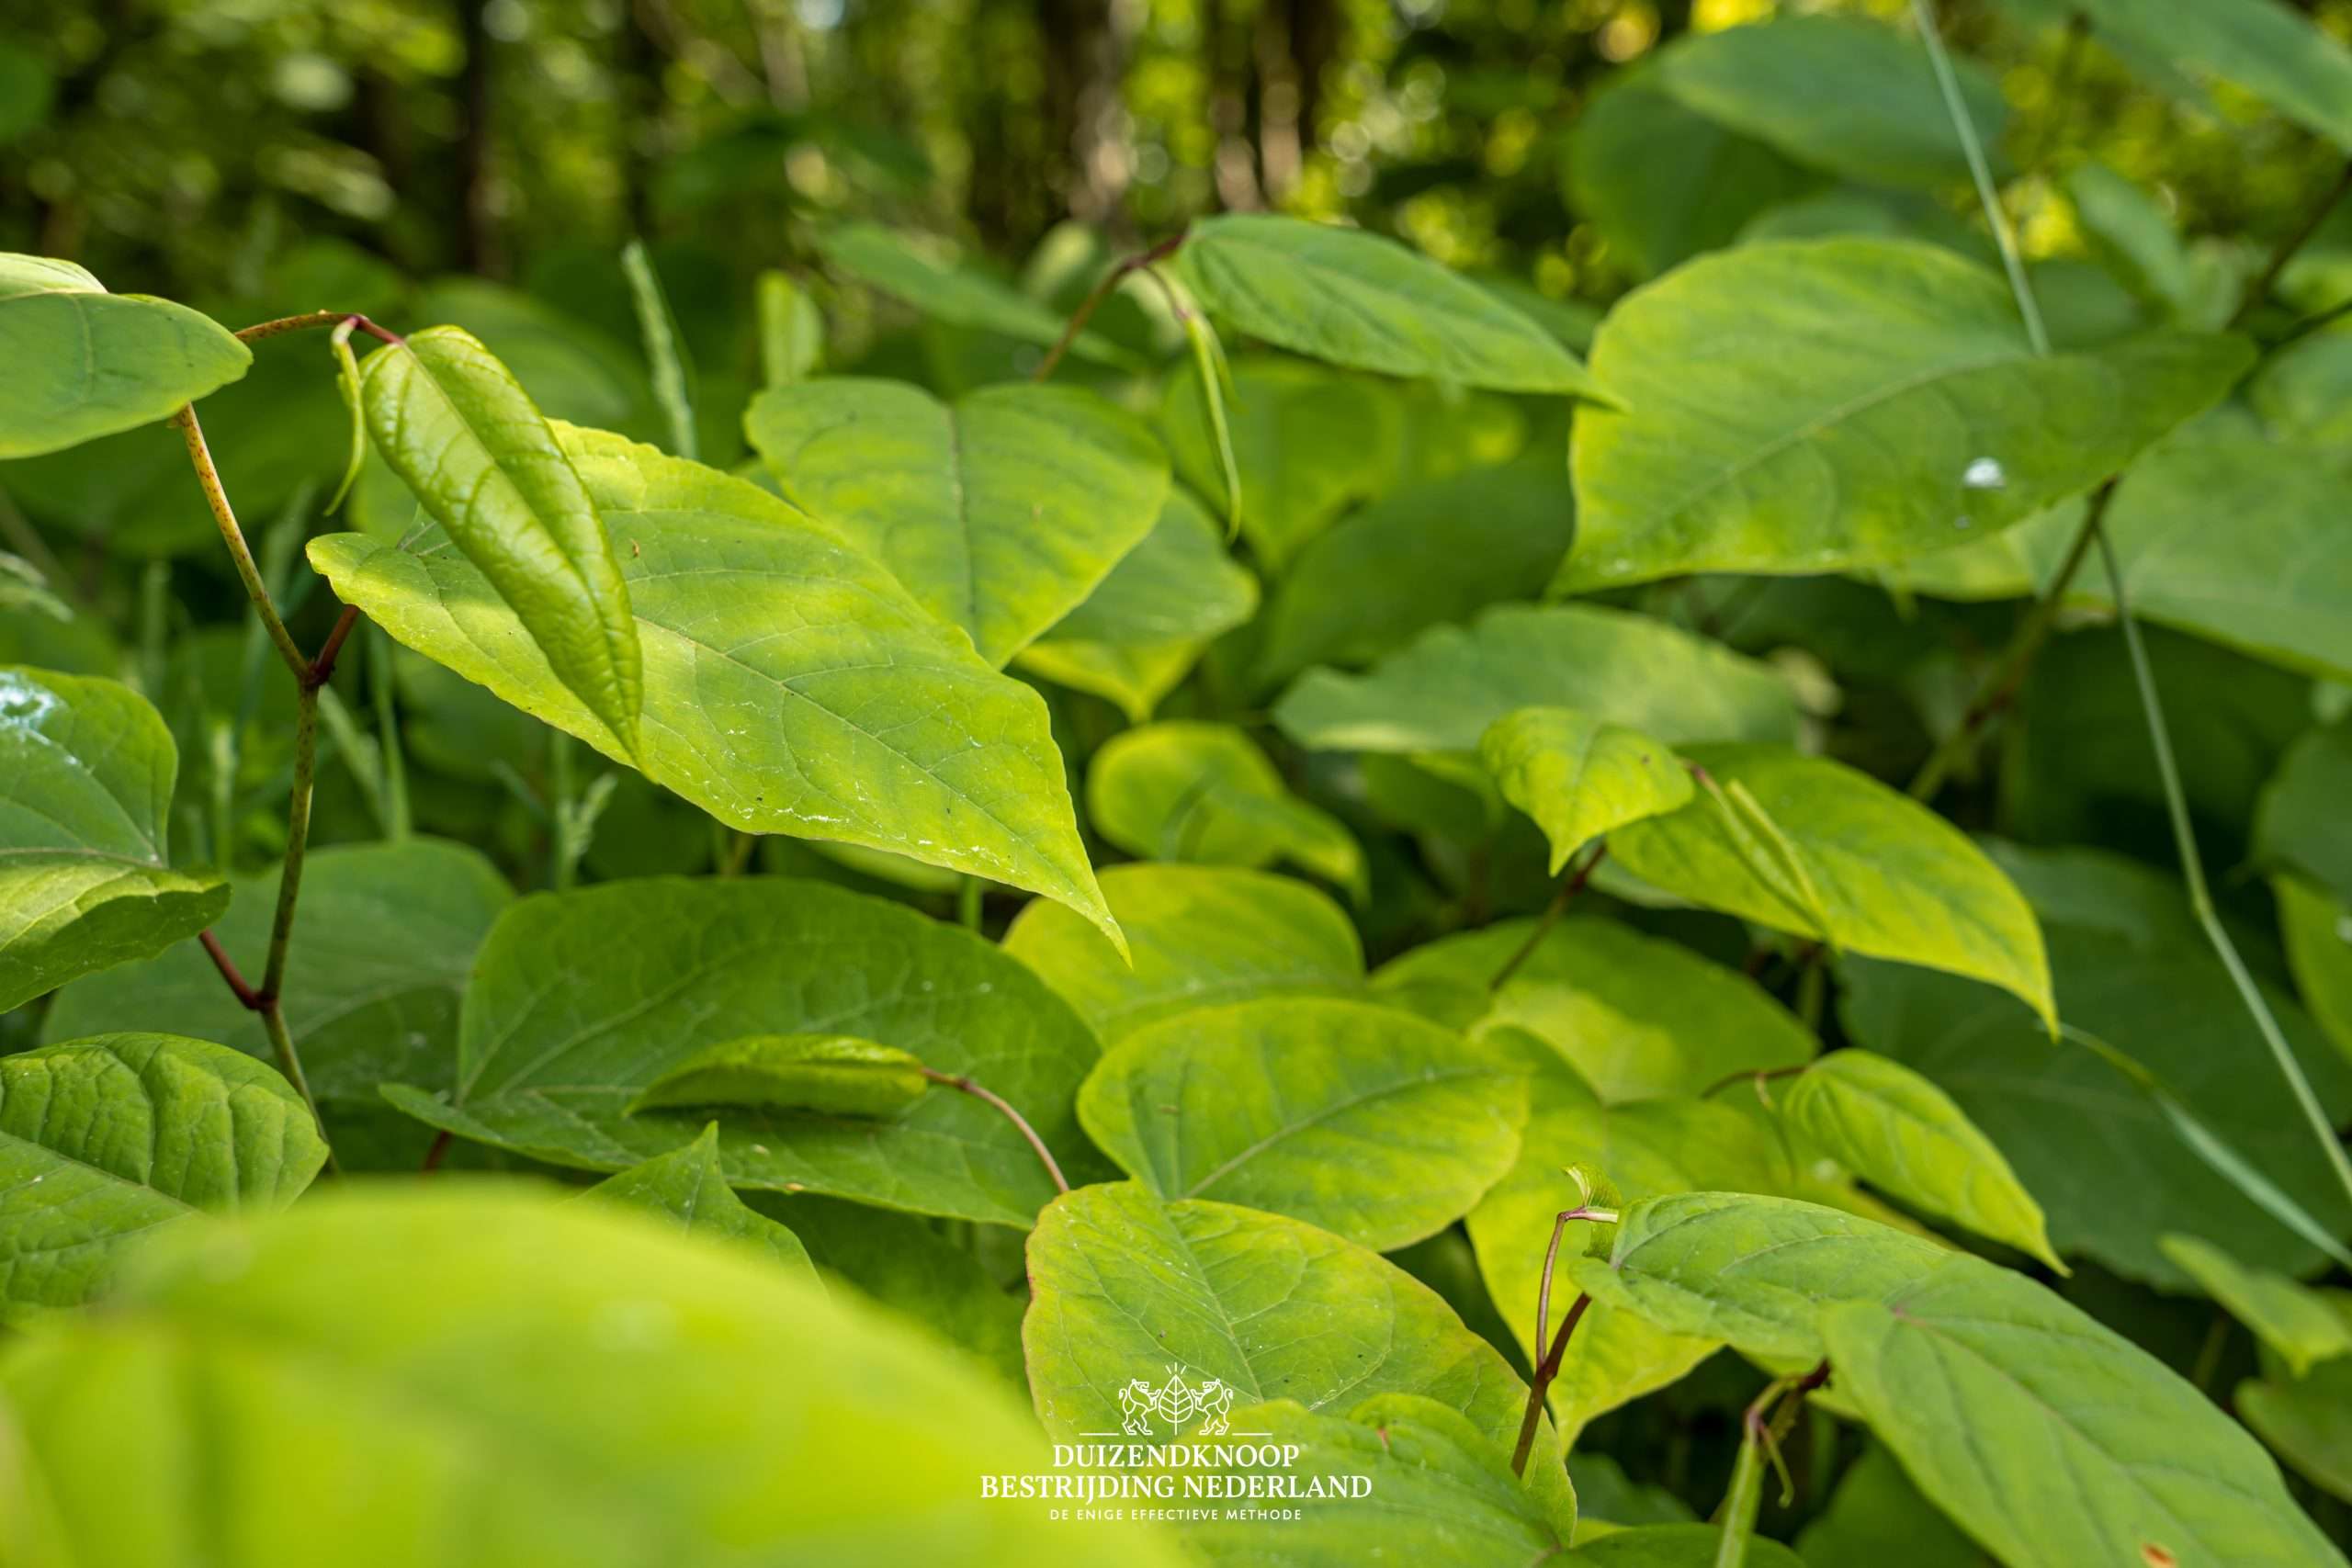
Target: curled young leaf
[[836, 1074], [464, 436]]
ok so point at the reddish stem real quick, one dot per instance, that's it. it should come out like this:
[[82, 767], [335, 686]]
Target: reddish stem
[[317, 319], [246, 996]]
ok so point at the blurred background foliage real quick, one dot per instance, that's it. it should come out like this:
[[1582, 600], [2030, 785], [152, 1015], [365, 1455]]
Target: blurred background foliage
[[206, 149]]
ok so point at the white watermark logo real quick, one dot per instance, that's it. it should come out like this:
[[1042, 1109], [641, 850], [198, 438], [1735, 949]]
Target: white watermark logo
[[1175, 1402]]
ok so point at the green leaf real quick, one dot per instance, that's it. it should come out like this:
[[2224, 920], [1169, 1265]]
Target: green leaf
[[2261, 45], [1757, 1272], [1146, 624], [658, 330], [1200, 937], [1001, 511], [872, 726], [1840, 94], [1203, 793], [581, 1000], [961, 296], [2274, 586], [687, 1185], [835, 1075], [1647, 1148], [1891, 878], [792, 330], [1901, 1134], [1307, 444], [86, 769], [1580, 775], [2299, 821], [1663, 183], [1373, 582], [1177, 586], [575, 1386], [2133, 972], [1803, 407], [2104, 1452], [1634, 1015], [464, 436], [1124, 1286], [1442, 692], [1356, 300], [85, 362], [1440, 1490], [2131, 231], [103, 1140], [1362, 1120], [2317, 930], [385, 940], [2302, 1325], [2307, 1421]]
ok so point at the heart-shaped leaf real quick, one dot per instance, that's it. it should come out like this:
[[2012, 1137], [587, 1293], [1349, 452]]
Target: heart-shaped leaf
[[581, 1000], [1883, 403], [86, 769], [103, 1140], [1578, 775], [1001, 511], [871, 725], [460, 431], [1362, 1120], [85, 362]]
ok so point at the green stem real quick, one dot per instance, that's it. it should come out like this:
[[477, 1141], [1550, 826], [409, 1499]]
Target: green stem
[[2192, 871], [2017, 659], [1004, 1108], [967, 903], [2259, 289], [387, 737], [208, 477], [2200, 900], [1570, 886], [1095, 295], [1981, 171]]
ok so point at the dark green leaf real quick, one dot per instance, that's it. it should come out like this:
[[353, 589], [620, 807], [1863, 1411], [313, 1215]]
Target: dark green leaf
[[86, 769]]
